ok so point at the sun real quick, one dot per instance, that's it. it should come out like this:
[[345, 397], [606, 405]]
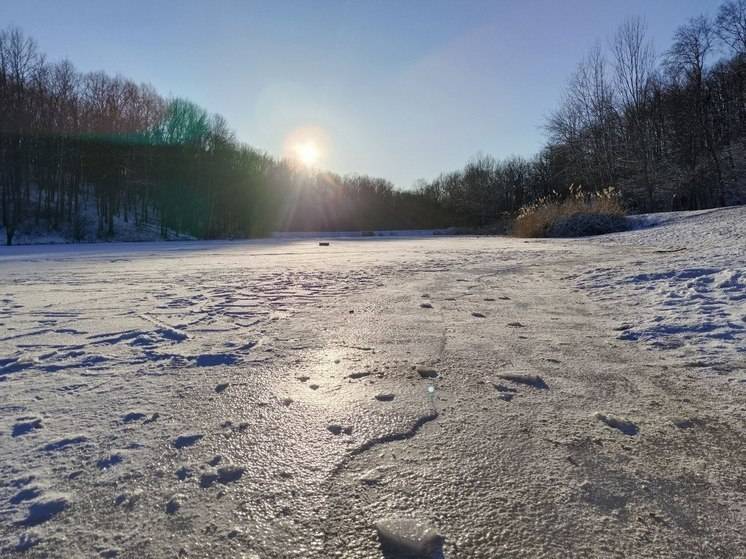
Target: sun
[[307, 147], [307, 153]]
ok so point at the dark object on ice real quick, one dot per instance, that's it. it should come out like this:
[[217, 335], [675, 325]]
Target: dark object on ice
[[427, 372], [531, 380], [667, 251], [408, 537], [323, 244]]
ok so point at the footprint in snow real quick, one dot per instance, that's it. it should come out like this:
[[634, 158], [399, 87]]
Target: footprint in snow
[[109, 461], [619, 423], [133, 416], [531, 380], [335, 429], [183, 473], [503, 388], [683, 422], [174, 503], [224, 475], [64, 443], [26, 494], [188, 439], [25, 425], [46, 508], [427, 372]]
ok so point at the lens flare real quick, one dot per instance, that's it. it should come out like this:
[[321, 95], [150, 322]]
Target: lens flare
[[307, 153], [307, 146]]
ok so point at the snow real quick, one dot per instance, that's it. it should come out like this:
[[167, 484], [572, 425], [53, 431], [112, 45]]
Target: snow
[[155, 396], [687, 291], [39, 232]]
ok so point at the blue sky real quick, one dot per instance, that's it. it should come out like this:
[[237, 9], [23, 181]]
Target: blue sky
[[401, 89]]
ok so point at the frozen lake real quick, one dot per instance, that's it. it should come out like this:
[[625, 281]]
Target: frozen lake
[[277, 398]]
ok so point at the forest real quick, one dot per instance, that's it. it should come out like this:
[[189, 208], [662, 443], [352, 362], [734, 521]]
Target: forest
[[84, 152]]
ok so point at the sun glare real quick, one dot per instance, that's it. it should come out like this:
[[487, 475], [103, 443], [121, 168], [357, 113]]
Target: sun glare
[[307, 146], [307, 153]]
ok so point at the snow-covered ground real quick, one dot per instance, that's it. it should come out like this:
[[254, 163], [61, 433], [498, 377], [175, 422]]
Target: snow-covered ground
[[38, 231], [284, 399], [687, 290]]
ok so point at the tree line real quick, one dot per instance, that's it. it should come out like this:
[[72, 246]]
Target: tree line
[[667, 131], [81, 152]]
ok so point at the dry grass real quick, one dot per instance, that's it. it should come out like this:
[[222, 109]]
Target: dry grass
[[578, 215]]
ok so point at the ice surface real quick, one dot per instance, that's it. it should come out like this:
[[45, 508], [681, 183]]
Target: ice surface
[[126, 368]]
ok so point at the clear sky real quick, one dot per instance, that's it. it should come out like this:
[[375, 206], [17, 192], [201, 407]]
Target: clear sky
[[403, 89]]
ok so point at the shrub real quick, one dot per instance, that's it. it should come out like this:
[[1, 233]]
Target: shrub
[[579, 214]]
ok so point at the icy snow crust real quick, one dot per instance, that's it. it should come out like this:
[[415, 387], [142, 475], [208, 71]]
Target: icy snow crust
[[441, 397]]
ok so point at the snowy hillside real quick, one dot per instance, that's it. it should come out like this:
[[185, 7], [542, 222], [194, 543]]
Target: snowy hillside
[[85, 229]]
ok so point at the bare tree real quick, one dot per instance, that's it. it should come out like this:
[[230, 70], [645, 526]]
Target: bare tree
[[730, 25], [687, 60], [634, 63]]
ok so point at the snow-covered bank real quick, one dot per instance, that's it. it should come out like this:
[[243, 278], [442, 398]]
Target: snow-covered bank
[[687, 289]]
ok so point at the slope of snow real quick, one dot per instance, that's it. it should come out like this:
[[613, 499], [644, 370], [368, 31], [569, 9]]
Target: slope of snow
[[32, 232], [687, 289]]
